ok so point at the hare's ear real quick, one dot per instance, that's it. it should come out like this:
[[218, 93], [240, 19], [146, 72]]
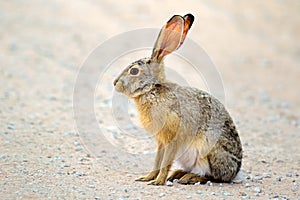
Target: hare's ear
[[171, 36], [168, 38], [188, 21]]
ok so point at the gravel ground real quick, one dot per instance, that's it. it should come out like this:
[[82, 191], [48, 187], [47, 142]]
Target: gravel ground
[[254, 44]]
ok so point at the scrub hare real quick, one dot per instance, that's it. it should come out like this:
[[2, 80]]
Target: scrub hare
[[192, 129]]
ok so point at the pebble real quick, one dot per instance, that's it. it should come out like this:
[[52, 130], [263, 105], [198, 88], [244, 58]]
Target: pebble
[[2, 155], [209, 183], [59, 172], [11, 127], [79, 174], [162, 194], [263, 161], [246, 197], [35, 190], [256, 179], [237, 181], [266, 175], [200, 192], [296, 187], [247, 185], [257, 190], [63, 165], [76, 143], [243, 194], [78, 149], [225, 193], [169, 183], [289, 174]]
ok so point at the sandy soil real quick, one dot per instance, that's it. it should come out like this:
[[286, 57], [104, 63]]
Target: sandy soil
[[254, 44]]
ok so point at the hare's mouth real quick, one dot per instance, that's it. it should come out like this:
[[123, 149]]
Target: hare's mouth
[[142, 90]]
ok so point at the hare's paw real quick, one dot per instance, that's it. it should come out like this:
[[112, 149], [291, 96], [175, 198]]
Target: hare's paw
[[151, 176], [176, 175], [157, 182], [144, 178], [190, 178]]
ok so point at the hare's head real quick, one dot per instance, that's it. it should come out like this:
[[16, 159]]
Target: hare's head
[[145, 74]]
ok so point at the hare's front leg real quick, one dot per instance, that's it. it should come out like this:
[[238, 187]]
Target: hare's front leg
[[157, 163], [166, 163]]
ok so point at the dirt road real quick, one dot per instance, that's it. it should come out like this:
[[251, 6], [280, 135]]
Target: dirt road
[[255, 47]]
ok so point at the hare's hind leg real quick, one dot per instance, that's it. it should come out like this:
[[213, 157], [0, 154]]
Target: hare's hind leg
[[176, 175], [191, 178], [224, 166]]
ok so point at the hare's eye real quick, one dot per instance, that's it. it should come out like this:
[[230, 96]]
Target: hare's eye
[[134, 71]]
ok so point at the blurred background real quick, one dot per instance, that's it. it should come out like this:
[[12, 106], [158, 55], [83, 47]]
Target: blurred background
[[254, 45]]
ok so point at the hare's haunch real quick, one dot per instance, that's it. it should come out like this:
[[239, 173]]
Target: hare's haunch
[[193, 130]]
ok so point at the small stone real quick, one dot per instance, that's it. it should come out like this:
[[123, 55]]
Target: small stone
[[200, 192], [59, 172], [278, 179], [2, 155], [247, 185], [263, 161], [169, 183], [296, 187], [246, 197], [209, 183], [11, 127], [76, 143], [78, 149], [35, 190], [225, 193], [175, 181], [63, 165], [243, 194], [79, 174], [256, 179], [266, 175], [289, 174], [257, 190], [162, 194], [188, 197], [237, 181]]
